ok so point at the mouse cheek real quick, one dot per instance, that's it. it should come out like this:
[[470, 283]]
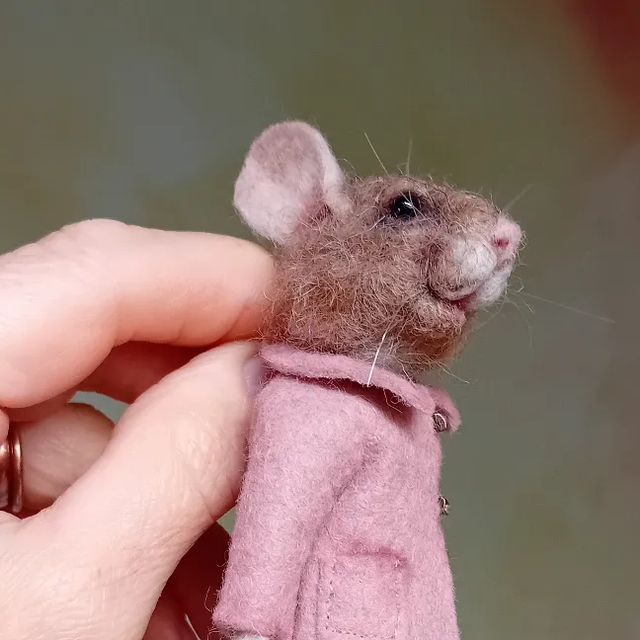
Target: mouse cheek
[[459, 266], [490, 291]]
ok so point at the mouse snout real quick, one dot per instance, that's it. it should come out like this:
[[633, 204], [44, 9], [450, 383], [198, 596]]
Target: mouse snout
[[471, 269], [506, 238], [462, 263]]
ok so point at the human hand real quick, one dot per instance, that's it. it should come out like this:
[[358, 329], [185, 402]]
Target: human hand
[[80, 310]]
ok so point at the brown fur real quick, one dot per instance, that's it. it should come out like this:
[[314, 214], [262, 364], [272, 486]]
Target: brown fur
[[355, 281]]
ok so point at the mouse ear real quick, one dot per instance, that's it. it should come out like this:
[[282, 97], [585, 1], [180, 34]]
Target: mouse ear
[[289, 174]]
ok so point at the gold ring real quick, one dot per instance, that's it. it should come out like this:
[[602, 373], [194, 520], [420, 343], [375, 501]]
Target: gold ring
[[11, 487]]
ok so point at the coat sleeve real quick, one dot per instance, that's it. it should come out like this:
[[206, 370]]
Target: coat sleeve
[[304, 447]]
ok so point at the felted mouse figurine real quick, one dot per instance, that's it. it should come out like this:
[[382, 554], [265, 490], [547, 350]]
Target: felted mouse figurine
[[338, 533]]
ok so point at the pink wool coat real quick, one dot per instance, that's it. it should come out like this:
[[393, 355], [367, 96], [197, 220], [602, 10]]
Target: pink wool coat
[[338, 533]]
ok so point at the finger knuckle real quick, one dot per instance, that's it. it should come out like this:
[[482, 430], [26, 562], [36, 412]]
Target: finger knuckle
[[94, 229], [71, 245]]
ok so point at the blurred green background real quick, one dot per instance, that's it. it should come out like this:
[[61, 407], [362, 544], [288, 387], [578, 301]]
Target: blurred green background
[[143, 111]]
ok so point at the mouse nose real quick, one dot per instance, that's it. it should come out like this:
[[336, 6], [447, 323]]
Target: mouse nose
[[506, 237]]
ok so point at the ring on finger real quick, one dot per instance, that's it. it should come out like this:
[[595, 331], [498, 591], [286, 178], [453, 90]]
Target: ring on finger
[[11, 486]]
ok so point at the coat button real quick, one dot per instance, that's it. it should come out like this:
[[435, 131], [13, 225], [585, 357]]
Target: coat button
[[440, 422], [444, 506]]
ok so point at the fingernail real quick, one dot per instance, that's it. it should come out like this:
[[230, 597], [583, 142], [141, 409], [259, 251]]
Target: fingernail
[[254, 375]]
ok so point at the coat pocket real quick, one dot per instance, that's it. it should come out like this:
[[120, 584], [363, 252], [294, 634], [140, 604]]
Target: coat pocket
[[362, 596]]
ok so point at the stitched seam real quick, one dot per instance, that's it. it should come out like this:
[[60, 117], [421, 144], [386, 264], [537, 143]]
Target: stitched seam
[[329, 609]]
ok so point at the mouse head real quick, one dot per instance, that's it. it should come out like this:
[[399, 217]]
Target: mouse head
[[392, 266]]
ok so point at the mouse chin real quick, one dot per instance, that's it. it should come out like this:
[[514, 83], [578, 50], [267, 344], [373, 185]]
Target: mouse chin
[[455, 311], [478, 296], [441, 320], [466, 305]]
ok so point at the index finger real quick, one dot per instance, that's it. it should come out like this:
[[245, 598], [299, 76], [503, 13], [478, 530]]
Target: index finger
[[69, 298]]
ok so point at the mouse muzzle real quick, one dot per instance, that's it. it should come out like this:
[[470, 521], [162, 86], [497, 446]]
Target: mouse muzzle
[[470, 269]]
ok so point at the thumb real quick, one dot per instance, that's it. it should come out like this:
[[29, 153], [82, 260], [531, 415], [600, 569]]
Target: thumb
[[172, 468]]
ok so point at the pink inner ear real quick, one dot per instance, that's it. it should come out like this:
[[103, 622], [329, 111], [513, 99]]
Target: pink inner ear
[[289, 173]]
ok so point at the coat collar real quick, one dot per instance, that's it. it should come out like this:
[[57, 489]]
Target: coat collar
[[329, 366]]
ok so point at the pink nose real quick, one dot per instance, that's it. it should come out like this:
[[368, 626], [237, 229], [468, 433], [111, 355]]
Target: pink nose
[[506, 236]]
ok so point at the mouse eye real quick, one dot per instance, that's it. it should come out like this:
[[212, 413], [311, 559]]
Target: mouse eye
[[405, 207]]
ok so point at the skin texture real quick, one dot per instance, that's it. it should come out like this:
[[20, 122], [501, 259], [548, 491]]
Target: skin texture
[[129, 548]]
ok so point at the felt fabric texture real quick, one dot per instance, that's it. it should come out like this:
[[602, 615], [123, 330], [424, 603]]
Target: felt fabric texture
[[389, 267], [289, 173], [338, 532]]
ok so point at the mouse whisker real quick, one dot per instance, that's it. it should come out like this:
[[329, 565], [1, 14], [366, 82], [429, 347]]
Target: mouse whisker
[[450, 373], [375, 358], [517, 197], [408, 162], [568, 307], [346, 161], [524, 317], [375, 153]]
